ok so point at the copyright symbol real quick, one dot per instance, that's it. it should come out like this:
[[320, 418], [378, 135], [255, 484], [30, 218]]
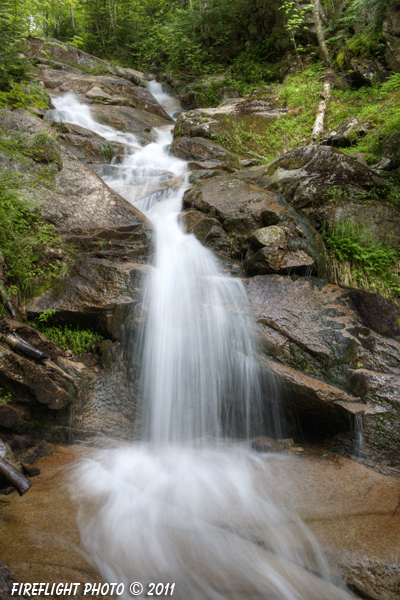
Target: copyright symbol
[[136, 588]]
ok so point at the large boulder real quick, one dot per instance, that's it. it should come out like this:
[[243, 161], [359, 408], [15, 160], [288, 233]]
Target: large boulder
[[72, 197], [98, 293], [307, 175], [33, 383], [66, 55], [243, 220], [86, 145], [201, 149], [212, 123], [324, 332]]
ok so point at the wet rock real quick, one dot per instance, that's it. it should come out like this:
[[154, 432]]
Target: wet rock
[[86, 145], [245, 220], [266, 444], [305, 176], [128, 119], [98, 293], [200, 149], [30, 470], [47, 383], [112, 90], [319, 339], [380, 314], [75, 197]]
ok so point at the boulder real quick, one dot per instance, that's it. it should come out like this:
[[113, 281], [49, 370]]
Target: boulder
[[243, 220], [112, 90], [201, 149], [132, 120], [97, 293], [86, 145], [308, 174], [320, 337], [207, 90], [367, 71], [347, 133], [37, 383], [68, 55], [74, 198], [211, 122]]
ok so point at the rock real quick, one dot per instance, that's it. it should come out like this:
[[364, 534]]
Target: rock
[[30, 470], [132, 120], [112, 90], [67, 54], [381, 221], [6, 452], [380, 314], [266, 444], [200, 149], [306, 175], [392, 54], [211, 122], [7, 580], [390, 148], [77, 198], [347, 133], [47, 383], [98, 293], [86, 145], [320, 340], [9, 416], [203, 90], [368, 71], [234, 217], [97, 92]]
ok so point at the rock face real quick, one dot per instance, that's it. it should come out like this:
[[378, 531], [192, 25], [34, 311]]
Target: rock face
[[65, 55], [316, 329], [73, 197], [242, 220], [306, 175], [98, 293], [110, 90], [201, 149]]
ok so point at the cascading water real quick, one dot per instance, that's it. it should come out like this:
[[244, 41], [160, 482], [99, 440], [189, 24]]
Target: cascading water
[[189, 506]]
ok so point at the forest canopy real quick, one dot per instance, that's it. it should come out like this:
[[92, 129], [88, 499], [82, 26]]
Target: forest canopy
[[192, 37]]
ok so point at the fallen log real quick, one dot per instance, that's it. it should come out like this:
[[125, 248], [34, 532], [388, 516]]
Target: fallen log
[[4, 297], [13, 476], [19, 345], [318, 128]]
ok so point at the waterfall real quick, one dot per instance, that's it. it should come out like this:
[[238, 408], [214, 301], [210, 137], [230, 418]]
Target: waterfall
[[190, 505]]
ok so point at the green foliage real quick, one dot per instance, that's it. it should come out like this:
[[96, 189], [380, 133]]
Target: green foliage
[[24, 96], [79, 341], [5, 396], [369, 264], [24, 237], [392, 84], [295, 21]]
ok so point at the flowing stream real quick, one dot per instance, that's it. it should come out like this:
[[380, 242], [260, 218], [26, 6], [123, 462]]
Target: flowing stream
[[190, 504]]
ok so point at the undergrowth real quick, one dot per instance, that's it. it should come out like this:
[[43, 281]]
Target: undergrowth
[[25, 239], [361, 261], [300, 95], [79, 341]]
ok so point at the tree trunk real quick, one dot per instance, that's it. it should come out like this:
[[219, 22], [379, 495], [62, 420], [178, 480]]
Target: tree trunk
[[71, 10], [317, 9], [19, 481]]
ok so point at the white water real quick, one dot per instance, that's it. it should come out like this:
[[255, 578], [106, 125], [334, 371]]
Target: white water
[[186, 506]]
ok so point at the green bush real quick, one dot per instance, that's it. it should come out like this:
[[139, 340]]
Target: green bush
[[369, 264], [79, 341]]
